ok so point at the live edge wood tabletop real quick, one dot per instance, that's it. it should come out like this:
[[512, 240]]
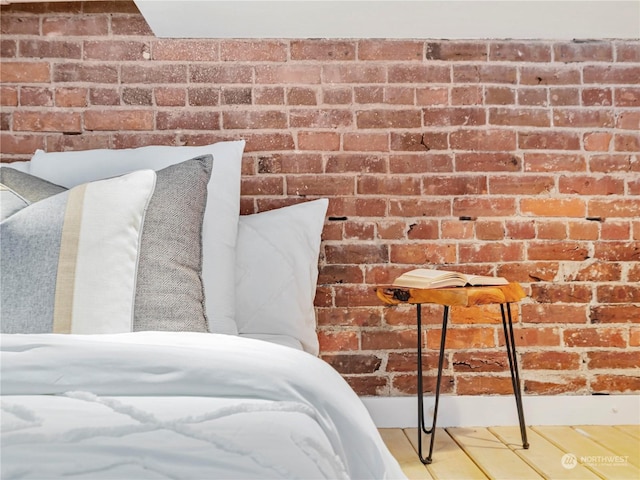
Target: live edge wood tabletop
[[453, 296]]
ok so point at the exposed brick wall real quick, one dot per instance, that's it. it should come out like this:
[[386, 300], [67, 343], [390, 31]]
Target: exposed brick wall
[[500, 157]]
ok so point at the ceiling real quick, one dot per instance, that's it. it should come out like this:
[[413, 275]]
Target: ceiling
[[450, 19]]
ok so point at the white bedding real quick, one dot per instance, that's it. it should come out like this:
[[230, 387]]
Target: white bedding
[[180, 405]]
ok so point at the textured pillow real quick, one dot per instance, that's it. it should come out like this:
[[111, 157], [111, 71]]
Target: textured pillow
[[221, 215], [169, 289], [277, 273], [19, 189], [10, 202], [68, 263], [32, 189]]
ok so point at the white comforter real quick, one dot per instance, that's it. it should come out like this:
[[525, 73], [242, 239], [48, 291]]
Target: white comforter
[[179, 405]]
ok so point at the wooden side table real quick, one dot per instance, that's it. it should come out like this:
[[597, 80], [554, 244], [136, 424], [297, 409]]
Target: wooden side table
[[503, 295]]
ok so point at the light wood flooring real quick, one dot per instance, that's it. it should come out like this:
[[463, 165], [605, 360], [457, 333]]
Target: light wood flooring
[[579, 452]]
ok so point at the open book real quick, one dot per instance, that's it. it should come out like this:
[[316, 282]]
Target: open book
[[426, 278]]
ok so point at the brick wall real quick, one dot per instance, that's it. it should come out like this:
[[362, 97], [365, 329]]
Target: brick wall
[[498, 157]]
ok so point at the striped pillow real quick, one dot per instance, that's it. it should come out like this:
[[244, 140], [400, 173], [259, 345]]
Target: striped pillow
[[69, 262]]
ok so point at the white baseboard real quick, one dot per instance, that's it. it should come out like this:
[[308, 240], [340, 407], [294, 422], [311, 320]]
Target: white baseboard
[[484, 411]]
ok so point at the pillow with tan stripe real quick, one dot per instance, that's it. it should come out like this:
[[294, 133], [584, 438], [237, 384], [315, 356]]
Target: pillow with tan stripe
[[68, 263]]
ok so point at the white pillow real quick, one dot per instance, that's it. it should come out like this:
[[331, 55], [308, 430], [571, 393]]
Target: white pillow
[[277, 272], [220, 225]]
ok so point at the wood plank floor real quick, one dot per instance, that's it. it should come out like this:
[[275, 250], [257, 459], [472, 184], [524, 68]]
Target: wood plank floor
[[578, 452]]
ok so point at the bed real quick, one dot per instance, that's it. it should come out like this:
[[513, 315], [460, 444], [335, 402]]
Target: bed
[[150, 331]]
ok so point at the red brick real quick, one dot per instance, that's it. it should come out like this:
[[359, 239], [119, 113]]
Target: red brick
[[415, 74], [551, 207], [551, 230], [353, 363], [556, 385], [323, 50], [420, 163], [594, 337], [520, 185], [549, 140], [25, 72], [76, 25], [268, 96], [626, 143], [313, 118], [407, 361], [488, 162], [357, 73], [557, 250], [390, 50], [361, 317], [455, 185], [597, 97], [421, 254], [615, 383], [8, 96], [499, 96], [36, 97], [519, 52], [331, 341], [539, 75], [67, 122], [566, 293], [115, 50], [613, 163], [262, 186], [453, 116], [535, 337], [388, 119], [550, 162], [389, 339], [583, 52], [591, 185], [616, 230], [419, 142], [466, 95], [78, 72], [363, 142], [483, 73], [71, 97], [483, 385], [580, 118], [628, 120], [399, 95], [408, 384], [606, 360], [597, 141], [611, 74], [369, 385], [480, 361], [532, 117], [587, 230], [185, 50], [20, 144], [432, 96], [627, 51], [532, 97], [550, 360], [462, 338], [609, 208], [483, 206], [615, 314], [487, 140], [211, 74], [253, 50], [419, 208], [50, 49], [491, 252], [188, 120]]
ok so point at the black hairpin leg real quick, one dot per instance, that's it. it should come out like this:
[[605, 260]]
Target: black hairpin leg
[[421, 426], [509, 340]]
